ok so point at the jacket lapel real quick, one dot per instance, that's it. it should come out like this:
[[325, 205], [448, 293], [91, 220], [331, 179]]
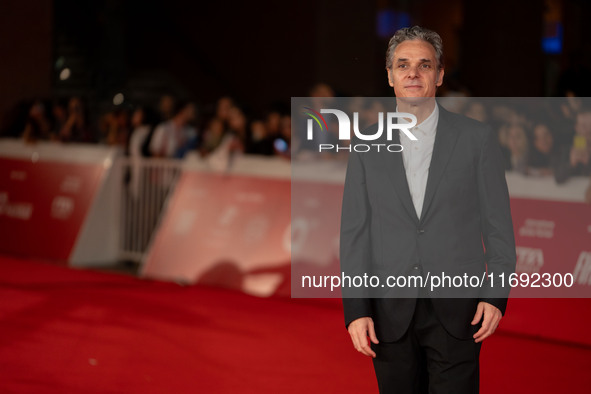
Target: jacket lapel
[[397, 173], [445, 141]]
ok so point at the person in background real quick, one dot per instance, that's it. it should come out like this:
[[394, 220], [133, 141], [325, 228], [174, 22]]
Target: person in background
[[59, 112], [575, 160], [476, 111], [143, 121], [212, 136], [542, 152], [76, 128], [322, 89], [166, 107], [282, 144], [233, 140], [566, 113], [222, 110], [261, 142], [514, 138], [237, 130], [273, 124], [321, 96], [38, 125], [117, 128], [173, 138]]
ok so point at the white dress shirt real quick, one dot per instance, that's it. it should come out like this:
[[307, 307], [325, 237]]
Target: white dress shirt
[[416, 156]]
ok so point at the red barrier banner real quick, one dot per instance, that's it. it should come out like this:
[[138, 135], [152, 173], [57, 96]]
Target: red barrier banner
[[43, 206], [231, 231], [552, 237]]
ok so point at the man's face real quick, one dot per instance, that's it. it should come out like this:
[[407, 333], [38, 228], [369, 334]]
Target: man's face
[[414, 71]]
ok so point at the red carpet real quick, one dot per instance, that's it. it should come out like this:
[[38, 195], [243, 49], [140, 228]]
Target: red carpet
[[71, 331]]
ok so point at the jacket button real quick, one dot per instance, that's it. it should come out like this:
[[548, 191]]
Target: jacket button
[[420, 231]]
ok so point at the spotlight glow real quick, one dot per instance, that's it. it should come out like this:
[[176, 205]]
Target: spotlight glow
[[65, 74], [118, 99]]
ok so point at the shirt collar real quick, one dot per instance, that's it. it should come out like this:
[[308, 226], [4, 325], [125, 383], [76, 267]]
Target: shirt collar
[[429, 125]]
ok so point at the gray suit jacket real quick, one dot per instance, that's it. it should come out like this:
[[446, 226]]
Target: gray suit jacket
[[465, 228]]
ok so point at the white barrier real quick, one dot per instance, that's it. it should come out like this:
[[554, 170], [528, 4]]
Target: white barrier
[[147, 184]]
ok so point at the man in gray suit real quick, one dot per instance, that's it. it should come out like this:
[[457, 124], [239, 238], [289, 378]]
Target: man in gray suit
[[440, 207]]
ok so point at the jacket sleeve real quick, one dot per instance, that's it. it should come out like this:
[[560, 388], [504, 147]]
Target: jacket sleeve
[[355, 251], [496, 222]]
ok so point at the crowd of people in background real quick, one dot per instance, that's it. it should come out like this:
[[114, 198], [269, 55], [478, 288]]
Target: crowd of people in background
[[170, 129], [551, 138], [550, 141]]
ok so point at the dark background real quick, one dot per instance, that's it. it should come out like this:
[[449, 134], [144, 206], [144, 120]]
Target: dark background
[[262, 52]]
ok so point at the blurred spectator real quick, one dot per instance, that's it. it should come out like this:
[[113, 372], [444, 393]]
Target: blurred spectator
[[237, 129], [321, 96], [567, 114], [575, 160], [514, 138], [273, 124], [368, 111], [282, 144], [143, 121], [212, 136], [76, 128], [59, 112], [261, 142], [116, 128], [543, 154], [321, 90], [571, 106], [233, 141], [166, 107], [38, 125], [176, 136], [222, 111], [476, 110]]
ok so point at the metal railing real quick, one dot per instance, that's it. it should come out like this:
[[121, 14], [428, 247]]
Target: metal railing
[[147, 185]]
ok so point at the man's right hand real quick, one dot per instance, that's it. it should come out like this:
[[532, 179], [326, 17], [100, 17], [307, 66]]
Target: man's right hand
[[359, 330]]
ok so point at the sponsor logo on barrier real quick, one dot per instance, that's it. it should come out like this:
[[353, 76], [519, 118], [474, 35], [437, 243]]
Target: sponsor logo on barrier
[[16, 210], [71, 184], [537, 228], [16, 175], [389, 122], [62, 207], [582, 272], [529, 260]]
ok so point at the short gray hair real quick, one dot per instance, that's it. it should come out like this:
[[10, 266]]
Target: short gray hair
[[415, 33]]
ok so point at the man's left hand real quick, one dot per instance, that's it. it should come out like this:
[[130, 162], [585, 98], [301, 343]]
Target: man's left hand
[[490, 321]]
